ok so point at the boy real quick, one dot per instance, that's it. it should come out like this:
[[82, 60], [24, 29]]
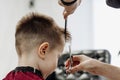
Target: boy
[[39, 43]]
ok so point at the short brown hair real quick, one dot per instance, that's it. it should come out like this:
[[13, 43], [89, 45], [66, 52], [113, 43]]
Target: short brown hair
[[34, 29]]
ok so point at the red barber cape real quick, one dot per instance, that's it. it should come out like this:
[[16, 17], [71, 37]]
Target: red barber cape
[[23, 75]]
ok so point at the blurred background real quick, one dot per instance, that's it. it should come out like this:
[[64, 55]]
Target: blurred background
[[94, 25]]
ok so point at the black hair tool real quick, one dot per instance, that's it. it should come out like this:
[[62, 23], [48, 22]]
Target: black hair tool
[[71, 61]]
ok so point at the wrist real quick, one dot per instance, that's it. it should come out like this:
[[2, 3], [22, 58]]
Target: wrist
[[68, 2], [95, 67]]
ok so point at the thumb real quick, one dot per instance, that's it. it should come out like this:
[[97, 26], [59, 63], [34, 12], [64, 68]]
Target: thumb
[[65, 14], [76, 68]]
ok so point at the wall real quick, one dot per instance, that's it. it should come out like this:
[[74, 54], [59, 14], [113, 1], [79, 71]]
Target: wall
[[106, 22], [11, 12], [79, 24]]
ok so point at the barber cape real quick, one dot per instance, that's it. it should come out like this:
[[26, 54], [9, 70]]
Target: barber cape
[[24, 73]]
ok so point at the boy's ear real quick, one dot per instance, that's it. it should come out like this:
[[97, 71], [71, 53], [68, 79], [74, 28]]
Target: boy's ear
[[42, 50]]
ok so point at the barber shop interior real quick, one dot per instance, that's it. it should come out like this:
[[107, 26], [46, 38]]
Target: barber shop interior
[[94, 30]]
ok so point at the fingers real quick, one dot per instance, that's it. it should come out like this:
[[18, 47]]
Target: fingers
[[75, 69], [78, 63], [75, 60], [67, 63], [69, 9], [65, 14]]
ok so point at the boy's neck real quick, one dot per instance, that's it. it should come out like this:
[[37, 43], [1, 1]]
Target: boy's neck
[[31, 62], [27, 62]]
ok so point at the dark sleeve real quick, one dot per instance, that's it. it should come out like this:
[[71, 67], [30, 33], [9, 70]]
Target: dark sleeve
[[113, 3]]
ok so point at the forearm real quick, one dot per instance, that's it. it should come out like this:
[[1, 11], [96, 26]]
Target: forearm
[[109, 71]]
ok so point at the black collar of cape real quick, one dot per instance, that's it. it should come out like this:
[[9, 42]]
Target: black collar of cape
[[28, 69]]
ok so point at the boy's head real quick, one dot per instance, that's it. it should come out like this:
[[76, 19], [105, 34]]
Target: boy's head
[[39, 35]]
